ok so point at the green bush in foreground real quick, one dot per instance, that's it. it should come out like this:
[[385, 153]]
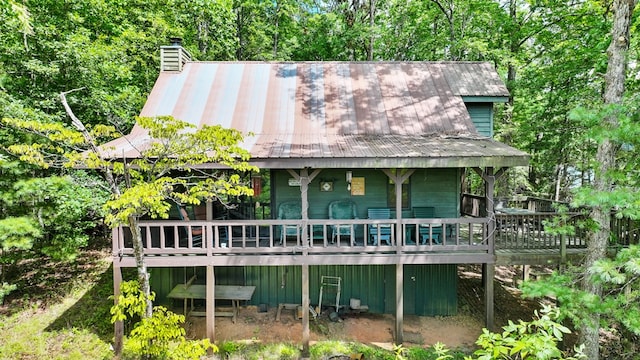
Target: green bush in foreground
[[159, 337], [537, 339]]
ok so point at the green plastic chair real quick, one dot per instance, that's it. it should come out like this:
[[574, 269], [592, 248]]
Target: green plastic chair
[[345, 210], [289, 210], [380, 232], [427, 232]]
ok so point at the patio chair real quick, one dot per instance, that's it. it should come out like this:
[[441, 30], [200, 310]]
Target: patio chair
[[289, 210], [427, 231], [379, 231], [196, 231], [346, 210]]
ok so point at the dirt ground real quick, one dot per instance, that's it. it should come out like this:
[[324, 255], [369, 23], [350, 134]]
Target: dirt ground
[[460, 331]]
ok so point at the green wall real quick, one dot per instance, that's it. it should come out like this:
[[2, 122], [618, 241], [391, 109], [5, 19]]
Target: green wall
[[428, 289], [482, 117], [439, 188]]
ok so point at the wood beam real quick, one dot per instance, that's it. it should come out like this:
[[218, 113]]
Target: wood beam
[[398, 179], [399, 339], [483, 174], [488, 273], [305, 312], [210, 306], [118, 325]]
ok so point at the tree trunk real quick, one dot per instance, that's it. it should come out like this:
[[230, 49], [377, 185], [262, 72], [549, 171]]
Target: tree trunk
[[614, 90], [141, 266]]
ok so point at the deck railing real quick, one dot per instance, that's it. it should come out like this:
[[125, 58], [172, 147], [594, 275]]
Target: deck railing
[[514, 232], [531, 231], [257, 237]]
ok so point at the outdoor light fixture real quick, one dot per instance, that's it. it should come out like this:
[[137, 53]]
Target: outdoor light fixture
[[349, 177]]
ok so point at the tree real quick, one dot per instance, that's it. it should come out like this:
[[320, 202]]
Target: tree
[[165, 171], [598, 239]]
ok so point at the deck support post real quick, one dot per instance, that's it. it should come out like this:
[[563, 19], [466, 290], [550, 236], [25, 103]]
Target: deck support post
[[306, 334], [210, 306], [488, 269], [399, 339], [488, 273], [305, 178], [118, 325], [398, 179]]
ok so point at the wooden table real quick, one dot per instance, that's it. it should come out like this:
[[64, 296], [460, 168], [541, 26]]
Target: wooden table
[[235, 293]]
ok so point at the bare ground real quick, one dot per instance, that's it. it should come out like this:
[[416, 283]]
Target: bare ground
[[460, 331]]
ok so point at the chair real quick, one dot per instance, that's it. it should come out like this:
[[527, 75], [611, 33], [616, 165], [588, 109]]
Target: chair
[[346, 210], [289, 210], [427, 231], [381, 231], [183, 231]]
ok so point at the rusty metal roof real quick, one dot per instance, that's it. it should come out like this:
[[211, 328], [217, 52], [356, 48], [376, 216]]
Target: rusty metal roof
[[336, 114]]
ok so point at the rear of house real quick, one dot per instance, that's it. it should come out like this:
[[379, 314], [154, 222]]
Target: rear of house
[[365, 165]]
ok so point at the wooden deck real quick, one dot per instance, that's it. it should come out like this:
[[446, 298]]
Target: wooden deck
[[517, 239]]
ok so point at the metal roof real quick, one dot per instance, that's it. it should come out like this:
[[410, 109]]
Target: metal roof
[[336, 114]]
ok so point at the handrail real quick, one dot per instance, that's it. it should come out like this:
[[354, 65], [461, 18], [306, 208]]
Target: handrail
[[514, 232], [263, 236]]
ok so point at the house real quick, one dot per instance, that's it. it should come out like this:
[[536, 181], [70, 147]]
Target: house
[[370, 156]]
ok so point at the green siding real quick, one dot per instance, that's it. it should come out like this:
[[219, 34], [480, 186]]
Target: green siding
[[429, 187], [431, 289], [438, 188], [428, 289], [482, 117]]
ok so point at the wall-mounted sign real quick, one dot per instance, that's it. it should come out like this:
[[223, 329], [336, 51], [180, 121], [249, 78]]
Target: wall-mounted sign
[[326, 185], [357, 186], [294, 182]]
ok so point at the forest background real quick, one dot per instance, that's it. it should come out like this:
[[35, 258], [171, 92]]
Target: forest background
[[551, 54]]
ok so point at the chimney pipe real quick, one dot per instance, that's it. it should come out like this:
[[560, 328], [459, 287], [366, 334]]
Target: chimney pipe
[[173, 57]]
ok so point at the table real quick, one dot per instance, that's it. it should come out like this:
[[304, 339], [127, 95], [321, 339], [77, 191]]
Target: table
[[235, 293]]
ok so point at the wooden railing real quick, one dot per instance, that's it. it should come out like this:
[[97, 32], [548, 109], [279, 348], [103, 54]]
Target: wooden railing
[[531, 231], [513, 232], [258, 237]]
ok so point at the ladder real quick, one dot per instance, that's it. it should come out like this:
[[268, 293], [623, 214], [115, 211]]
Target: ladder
[[333, 285]]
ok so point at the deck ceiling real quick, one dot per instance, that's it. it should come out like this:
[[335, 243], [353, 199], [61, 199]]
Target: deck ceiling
[[334, 114]]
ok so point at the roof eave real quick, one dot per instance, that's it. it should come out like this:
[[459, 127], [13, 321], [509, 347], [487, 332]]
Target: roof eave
[[388, 163], [485, 99]]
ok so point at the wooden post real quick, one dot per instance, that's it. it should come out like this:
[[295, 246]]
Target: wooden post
[[488, 273], [305, 311], [118, 325], [211, 302], [489, 269], [399, 304], [305, 179], [526, 271], [209, 211], [398, 179]]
